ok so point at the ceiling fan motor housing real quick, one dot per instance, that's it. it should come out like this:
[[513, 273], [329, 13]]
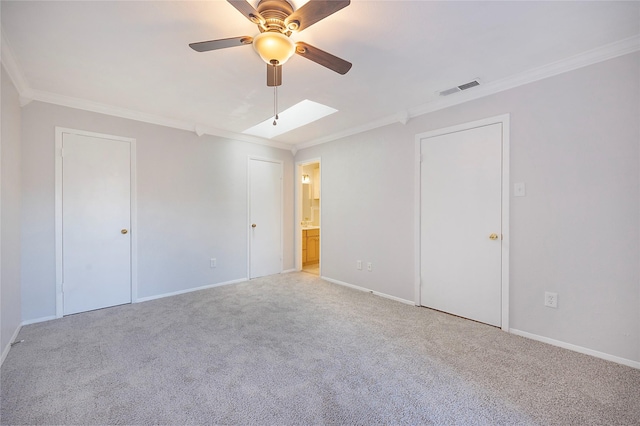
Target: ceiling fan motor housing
[[275, 12]]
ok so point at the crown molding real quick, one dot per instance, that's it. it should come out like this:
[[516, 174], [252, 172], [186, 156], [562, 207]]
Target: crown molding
[[199, 129], [10, 65], [562, 66], [204, 130], [600, 54], [385, 121], [27, 94]]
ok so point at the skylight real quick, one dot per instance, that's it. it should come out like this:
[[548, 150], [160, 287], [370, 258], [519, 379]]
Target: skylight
[[299, 115]]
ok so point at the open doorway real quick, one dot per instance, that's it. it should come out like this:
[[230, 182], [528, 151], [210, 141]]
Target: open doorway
[[309, 217]]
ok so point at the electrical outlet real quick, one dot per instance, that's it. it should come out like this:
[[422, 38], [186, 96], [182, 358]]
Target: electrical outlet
[[550, 299], [214, 262], [369, 266], [359, 265]]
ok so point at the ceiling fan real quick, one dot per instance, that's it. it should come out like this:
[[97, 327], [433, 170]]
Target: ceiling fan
[[276, 21]]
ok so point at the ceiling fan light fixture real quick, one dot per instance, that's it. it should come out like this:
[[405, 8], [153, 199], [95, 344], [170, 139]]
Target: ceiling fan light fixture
[[274, 46]]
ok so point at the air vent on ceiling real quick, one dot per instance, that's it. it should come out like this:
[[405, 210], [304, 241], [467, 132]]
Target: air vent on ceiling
[[460, 88]]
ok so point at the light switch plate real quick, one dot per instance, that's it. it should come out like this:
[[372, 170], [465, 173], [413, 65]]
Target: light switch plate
[[519, 189]]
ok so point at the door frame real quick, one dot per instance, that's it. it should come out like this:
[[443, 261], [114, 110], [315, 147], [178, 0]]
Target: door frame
[[281, 163], [503, 119], [298, 214], [59, 131]]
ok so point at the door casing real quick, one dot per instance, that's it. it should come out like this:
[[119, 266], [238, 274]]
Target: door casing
[[59, 131], [298, 218], [504, 120]]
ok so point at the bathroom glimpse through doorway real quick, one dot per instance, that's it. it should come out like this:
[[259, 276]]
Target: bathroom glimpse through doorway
[[308, 214]]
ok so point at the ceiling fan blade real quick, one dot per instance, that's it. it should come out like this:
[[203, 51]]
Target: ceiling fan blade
[[323, 58], [248, 11], [274, 75], [205, 46], [314, 11]]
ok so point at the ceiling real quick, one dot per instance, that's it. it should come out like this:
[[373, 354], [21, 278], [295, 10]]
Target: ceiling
[[134, 56]]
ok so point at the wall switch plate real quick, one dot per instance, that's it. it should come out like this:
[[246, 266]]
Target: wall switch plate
[[214, 262], [369, 266], [550, 299], [519, 189], [359, 265]]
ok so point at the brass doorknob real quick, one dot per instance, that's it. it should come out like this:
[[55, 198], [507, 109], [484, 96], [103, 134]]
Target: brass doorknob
[[493, 236], [124, 231], [253, 225]]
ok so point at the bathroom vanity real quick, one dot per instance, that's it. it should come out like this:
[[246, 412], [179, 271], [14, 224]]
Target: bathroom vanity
[[310, 245]]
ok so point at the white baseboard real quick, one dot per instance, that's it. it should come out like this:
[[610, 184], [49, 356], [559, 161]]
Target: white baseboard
[[386, 296], [175, 293], [576, 348], [37, 320], [7, 348], [145, 299], [288, 271]]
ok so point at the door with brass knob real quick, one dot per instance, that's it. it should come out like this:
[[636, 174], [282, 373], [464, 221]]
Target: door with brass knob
[[94, 263], [265, 207], [461, 208]]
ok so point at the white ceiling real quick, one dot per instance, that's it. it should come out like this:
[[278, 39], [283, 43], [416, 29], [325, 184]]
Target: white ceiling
[[135, 55]]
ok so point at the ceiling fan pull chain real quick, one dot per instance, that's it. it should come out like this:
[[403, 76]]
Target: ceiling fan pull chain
[[275, 105], [275, 97]]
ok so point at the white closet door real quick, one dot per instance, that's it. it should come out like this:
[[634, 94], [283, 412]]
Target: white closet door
[[461, 208], [265, 218], [96, 217]]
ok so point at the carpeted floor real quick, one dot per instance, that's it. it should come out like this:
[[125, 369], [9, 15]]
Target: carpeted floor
[[293, 349]]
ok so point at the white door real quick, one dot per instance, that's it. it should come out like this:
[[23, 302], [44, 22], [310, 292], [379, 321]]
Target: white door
[[265, 218], [461, 235], [96, 217]]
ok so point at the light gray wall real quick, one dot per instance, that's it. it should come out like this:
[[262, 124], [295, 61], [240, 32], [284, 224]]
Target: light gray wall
[[575, 142], [367, 210], [9, 212], [192, 204]]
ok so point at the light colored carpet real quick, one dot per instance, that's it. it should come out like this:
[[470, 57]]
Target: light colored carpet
[[293, 349]]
